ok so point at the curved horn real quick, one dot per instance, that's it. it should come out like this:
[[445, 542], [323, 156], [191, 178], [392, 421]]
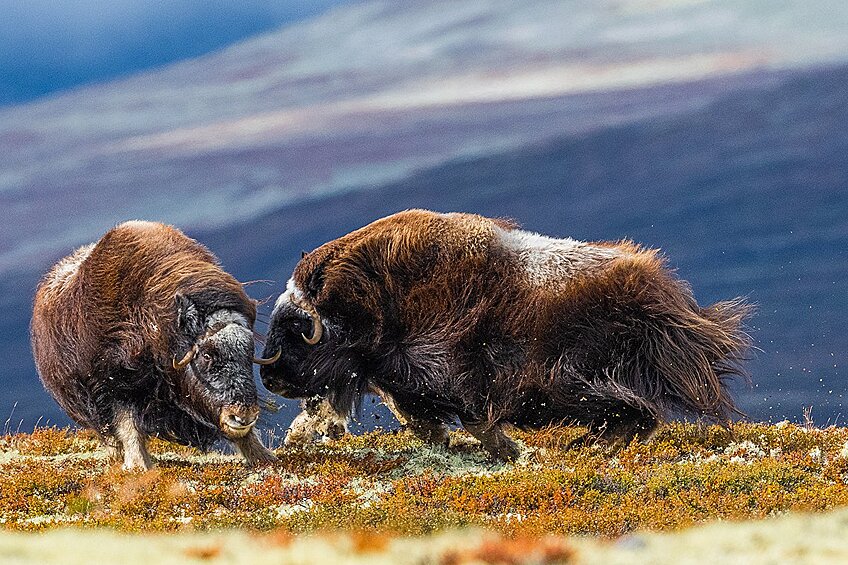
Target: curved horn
[[186, 359], [270, 360], [317, 326]]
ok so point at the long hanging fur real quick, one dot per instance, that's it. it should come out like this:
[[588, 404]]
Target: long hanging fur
[[460, 316], [104, 329], [635, 323]]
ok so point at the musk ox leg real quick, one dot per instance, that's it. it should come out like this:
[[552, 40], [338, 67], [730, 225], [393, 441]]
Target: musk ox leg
[[435, 433], [250, 447], [114, 450], [317, 423], [133, 442], [428, 431], [618, 433], [494, 440], [613, 413], [624, 431]]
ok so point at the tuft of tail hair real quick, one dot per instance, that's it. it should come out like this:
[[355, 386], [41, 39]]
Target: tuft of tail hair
[[731, 341], [701, 352]]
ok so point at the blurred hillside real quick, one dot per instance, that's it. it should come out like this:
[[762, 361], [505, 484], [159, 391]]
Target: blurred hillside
[[714, 130], [741, 199]]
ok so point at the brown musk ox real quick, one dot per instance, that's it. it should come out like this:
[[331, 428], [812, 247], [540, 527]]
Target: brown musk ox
[[460, 317], [143, 333]]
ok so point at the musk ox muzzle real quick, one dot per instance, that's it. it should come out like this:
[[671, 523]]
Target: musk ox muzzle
[[238, 420]]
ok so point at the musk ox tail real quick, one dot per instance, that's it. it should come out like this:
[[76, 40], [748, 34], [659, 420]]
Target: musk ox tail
[[729, 344], [638, 325], [690, 356]]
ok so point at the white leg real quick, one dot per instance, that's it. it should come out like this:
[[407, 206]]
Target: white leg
[[317, 423], [133, 442]]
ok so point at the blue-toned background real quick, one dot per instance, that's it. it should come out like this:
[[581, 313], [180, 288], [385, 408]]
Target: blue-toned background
[[716, 130]]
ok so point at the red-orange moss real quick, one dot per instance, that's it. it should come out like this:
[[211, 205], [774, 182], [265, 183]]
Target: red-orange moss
[[381, 483]]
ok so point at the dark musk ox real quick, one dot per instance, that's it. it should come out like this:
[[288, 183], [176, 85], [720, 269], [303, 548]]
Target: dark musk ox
[[143, 333], [460, 317]]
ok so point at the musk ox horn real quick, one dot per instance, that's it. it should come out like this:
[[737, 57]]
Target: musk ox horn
[[317, 328], [270, 360], [186, 359]]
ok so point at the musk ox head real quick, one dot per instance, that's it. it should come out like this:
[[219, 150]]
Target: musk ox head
[[216, 370], [296, 329]]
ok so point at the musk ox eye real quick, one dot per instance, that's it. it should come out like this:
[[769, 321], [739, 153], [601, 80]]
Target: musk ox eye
[[300, 326], [204, 360]]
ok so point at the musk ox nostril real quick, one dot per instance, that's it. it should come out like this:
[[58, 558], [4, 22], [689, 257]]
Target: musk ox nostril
[[238, 420]]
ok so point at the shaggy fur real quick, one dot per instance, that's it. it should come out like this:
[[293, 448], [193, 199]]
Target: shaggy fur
[[109, 320], [457, 316]]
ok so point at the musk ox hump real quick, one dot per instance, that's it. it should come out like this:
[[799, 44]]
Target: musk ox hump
[[551, 261], [66, 269]]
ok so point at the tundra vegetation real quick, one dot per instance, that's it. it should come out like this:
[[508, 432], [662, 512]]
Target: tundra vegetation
[[388, 483]]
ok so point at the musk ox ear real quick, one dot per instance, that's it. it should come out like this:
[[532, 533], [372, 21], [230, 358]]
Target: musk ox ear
[[309, 272], [188, 317], [315, 280]]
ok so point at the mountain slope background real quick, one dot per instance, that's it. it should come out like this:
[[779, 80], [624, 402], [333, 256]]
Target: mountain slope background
[[368, 93], [740, 200], [704, 128]]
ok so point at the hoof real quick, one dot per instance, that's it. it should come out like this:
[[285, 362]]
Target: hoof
[[506, 451]]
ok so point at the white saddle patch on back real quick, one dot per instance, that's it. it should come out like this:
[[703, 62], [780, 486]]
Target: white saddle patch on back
[[65, 270], [548, 259], [144, 224]]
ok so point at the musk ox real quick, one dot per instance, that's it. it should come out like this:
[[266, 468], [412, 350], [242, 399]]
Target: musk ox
[[142, 333], [457, 316]]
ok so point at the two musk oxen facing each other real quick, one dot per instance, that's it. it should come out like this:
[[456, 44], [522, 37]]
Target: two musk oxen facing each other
[[143, 333], [457, 316]]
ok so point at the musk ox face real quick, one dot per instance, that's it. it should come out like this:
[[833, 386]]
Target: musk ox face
[[294, 332], [218, 368]]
